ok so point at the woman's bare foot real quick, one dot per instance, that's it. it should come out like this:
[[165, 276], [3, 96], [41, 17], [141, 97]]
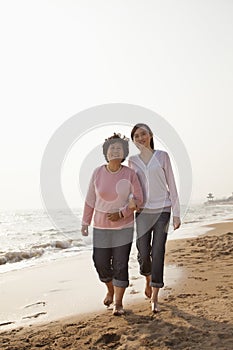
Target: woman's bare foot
[[148, 292], [154, 300], [108, 300], [155, 307], [118, 310], [148, 289]]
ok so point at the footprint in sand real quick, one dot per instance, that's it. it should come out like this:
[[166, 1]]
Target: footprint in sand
[[56, 290], [35, 315], [134, 278], [6, 323], [185, 295], [108, 338], [63, 281], [43, 303], [133, 291], [35, 305], [198, 278]]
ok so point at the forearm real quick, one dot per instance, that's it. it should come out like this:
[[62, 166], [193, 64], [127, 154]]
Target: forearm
[[175, 203], [87, 214]]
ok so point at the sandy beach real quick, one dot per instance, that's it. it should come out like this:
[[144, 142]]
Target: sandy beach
[[42, 308]]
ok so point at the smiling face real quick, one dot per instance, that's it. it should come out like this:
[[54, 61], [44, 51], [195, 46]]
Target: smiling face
[[142, 138], [115, 151]]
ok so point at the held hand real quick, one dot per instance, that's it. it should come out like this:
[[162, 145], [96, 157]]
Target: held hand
[[113, 216], [84, 230], [132, 205], [176, 222]]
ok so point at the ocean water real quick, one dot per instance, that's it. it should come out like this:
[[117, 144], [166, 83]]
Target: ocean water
[[29, 237]]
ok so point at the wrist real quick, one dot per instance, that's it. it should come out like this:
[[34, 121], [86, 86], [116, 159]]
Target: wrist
[[120, 214]]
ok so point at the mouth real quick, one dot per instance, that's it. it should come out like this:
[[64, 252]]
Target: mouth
[[115, 156]]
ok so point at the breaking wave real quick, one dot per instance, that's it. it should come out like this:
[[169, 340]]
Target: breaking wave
[[37, 251]]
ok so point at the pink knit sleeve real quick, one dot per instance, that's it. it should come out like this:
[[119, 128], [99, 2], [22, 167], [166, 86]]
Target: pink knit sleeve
[[136, 190], [171, 186]]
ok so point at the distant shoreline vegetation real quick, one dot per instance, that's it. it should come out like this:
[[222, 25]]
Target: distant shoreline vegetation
[[210, 199]]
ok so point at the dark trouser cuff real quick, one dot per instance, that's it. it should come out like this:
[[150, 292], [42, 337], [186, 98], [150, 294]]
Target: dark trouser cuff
[[106, 280], [156, 285], [122, 284]]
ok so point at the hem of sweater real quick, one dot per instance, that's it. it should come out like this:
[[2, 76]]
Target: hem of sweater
[[113, 228], [156, 210]]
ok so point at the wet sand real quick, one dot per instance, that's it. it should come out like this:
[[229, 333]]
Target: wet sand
[[196, 307], [61, 288]]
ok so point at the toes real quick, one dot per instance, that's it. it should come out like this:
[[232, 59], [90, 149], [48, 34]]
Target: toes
[[118, 311], [108, 300]]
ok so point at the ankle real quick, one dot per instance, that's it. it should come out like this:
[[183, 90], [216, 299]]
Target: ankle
[[118, 304], [154, 299], [110, 292]]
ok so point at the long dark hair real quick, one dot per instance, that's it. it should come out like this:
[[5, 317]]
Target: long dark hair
[[143, 126]]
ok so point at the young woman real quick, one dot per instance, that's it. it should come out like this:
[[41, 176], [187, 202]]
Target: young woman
[[154, 170], [110, 188]]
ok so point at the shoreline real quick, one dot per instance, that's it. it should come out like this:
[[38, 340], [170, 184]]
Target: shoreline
[[197, 230], [72, 283], [195, 304]]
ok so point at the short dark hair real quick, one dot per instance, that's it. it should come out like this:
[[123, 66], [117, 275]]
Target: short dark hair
[[113, 139], [143, 126]]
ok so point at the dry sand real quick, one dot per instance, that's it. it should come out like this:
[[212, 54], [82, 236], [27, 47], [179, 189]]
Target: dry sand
[[197, 312]]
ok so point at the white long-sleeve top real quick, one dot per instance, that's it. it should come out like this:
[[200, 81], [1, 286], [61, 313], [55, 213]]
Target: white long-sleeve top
[[157, 182]]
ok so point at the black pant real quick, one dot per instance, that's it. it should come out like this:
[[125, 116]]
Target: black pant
[[110, 256], [151, 255]]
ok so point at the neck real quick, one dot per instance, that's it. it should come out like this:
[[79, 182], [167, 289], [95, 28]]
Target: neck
[[114, 165], [147, 151]]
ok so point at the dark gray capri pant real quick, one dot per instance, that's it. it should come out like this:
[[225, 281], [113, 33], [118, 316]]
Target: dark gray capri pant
[[151, 249], [111, 249]]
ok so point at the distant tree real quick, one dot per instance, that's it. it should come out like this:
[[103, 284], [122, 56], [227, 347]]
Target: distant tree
[[210, 196]]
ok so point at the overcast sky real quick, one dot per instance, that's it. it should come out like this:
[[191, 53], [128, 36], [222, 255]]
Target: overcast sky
[[61, 57]]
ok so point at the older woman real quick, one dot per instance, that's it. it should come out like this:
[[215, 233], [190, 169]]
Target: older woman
[[110, 188]]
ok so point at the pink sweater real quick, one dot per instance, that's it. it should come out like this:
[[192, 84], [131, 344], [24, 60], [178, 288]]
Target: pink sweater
[[109, 192]]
